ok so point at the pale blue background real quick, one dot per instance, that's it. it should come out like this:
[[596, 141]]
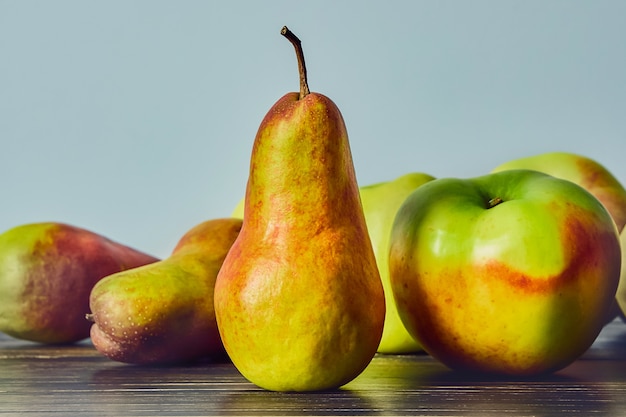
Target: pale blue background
[[135, 119]]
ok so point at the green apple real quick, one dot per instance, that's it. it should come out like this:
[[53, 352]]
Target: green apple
[[380, 203], [589, 174], [508, 273], [584, 171]]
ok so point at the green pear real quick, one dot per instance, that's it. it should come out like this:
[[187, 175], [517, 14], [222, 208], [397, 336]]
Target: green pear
[[47, 271], [621, 288], [299, 300], [163, 313], [380, 204], [238, 210]]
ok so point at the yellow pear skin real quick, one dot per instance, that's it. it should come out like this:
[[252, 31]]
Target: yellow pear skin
[[380, 203], [299, 301], [163, 313]]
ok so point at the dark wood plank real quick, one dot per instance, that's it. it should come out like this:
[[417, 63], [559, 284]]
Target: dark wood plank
[[77, 380]]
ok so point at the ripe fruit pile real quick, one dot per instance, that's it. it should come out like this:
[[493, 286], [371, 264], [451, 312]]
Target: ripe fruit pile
[[514, 272]]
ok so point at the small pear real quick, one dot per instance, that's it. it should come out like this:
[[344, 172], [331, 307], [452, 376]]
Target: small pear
[[163, 313], [299, 301], [47, 271]]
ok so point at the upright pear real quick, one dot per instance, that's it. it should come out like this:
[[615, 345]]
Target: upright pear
[[163, 313], [47, 271], [299, 301], [380, 203]]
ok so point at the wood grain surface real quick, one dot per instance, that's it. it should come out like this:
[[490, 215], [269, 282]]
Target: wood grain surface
[[38, 380]]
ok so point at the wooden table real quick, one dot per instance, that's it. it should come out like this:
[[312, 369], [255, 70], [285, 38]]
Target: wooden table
[[76, 380]]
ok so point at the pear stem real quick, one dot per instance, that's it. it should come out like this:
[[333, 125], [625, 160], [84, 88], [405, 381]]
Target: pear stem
[[304, 86]]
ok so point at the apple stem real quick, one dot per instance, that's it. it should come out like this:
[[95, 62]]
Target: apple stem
[[304, 86], [494, 202], [90, 318]]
